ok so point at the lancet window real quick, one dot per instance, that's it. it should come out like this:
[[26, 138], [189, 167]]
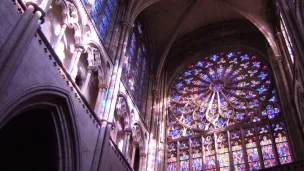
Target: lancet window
[[135, 64], [225, 107], [102, 13]]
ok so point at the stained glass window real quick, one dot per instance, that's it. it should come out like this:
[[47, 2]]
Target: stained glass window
[[228, 99], [135, 65], [281, 143], [223, 152], [102, 12], [237, 151], [172, 157], [210, 159], [196, 145]]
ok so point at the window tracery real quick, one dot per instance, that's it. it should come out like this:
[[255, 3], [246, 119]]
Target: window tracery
[[226, 107], [135, 65]]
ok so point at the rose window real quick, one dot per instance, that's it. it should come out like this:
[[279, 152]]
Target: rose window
[[221, 90]]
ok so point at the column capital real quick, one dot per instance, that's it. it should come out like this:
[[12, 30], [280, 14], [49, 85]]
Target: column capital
[[91, 68], [128, 131], [127, 23], [102, 87], [104, 122], [143, 155], [155, 92], [79, 48], [37, 8]]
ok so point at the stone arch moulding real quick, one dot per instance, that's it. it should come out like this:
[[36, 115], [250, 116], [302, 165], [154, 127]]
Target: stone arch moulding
[[59, 103], [138, 136], [70, 17], [125, 113], [100, 63]]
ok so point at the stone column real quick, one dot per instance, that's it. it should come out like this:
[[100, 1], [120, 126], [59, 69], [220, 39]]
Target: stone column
[[73, 68], [126, 142], [142, 163], [98, 149], [12, 57], [152, 150], [133, 154], [87, 80], [59, 37], [102, 89]]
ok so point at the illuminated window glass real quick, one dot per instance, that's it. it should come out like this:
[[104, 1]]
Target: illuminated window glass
[[102, 12], [197, 161], [237, 151], [229, 102], [184, 156], [210, 159], [135, 65], [172, 157]]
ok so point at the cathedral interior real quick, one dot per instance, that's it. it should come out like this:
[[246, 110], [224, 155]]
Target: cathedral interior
[[151, 85]]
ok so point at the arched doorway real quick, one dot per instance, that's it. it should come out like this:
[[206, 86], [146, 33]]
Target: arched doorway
[[28, 142]]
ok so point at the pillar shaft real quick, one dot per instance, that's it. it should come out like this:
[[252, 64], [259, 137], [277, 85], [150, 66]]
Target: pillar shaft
[[85, 86], [100, 96], [73, 68], [133, 155], [126, 143], [14, 57], [59, 37]]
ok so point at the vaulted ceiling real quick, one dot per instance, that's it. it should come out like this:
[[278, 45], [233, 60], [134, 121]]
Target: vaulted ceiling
[[172, 20]]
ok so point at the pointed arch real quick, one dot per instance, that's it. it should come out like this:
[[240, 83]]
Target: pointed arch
[[59, 103]]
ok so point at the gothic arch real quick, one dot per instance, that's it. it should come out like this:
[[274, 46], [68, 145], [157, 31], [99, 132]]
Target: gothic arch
[[139, 136], [122, 110], [100, 62], [58, 102], [70, 17]]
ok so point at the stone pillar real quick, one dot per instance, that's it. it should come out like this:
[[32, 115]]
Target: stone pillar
[[59, 37], [87, 80], [106, 139], [133, 154], [142, 162], [126, 142], [152, 148], [73, 68], [19, 42], [99, 144], [102, 89]]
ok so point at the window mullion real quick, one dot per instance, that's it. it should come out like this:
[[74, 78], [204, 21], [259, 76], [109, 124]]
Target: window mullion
[[230, 151], [244, 150], [259, 147]]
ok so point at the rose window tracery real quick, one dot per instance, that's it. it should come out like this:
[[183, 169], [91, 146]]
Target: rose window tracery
[[221, 90]]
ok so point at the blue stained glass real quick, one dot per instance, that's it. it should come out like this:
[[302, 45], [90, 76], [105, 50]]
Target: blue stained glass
[[102, 14], [230, 55], [262, 75], [245, 57], [138, 63], [262, 89], [214, 57]]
